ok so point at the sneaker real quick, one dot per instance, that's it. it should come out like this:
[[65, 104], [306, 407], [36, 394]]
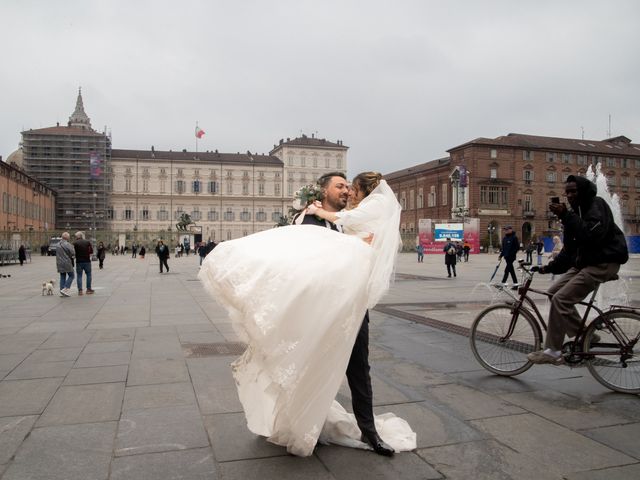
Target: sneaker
[[89, 291], [65, 292], [80, 292], [541, 357]]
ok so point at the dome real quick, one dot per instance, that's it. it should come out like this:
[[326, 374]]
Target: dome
[[16, 157]]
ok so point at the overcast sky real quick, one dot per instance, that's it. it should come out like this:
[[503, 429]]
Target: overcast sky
[[400, 82]]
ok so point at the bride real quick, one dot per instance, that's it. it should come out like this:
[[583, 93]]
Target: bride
[[297, 296]]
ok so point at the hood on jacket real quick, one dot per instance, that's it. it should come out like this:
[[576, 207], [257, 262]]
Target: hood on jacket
[[587, 190]]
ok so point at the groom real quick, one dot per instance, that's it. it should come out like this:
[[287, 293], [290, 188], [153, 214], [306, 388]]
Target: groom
[[335, 190]]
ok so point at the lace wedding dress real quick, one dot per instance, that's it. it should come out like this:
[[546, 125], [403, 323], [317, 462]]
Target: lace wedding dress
[[297, 296]]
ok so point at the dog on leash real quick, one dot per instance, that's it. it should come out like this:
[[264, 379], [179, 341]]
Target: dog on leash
[[47, 287]]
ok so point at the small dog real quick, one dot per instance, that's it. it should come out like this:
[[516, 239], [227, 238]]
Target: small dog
[[47, 287]]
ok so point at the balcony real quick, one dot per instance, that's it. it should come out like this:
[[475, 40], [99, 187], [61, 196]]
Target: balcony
[[528, 213]]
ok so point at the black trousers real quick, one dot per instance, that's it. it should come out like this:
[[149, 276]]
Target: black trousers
[[359, 379], [163, 261], [509, 270]]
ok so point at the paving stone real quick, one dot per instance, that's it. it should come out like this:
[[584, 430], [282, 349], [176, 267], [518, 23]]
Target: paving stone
[[160, 430], [118, 325], [355, 464], [196, 464], [68, 452], [102, 359], [67, 339], [146, 371], [485, 460], [151, 332], [214, 385], [565, 410], [85, 376], [9, 362], [232, 440], [161, 346], [433, 426], [621, 437], [62, 326], [469, 403], [108, 347], [629, 472], [487, 382], [282, 468], [40, 370], [201, 337], [13, 431], [564, 451], [54, 355], [22, 343], [121, 320], [196, 328], [163, 395], [84, 404], [113, 335], [26, 397]]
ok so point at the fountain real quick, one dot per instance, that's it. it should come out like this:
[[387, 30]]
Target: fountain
[[610, 293]]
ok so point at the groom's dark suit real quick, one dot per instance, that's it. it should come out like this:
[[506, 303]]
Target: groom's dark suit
[[358, 368]]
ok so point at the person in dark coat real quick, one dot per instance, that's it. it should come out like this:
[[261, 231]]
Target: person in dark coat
[[450, 257], [142, 252], [102, 252], [22, 254], [163, 254], [594, 248], [509, 250]]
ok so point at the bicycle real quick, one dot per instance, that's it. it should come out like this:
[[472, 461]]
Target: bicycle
[[503, 334]]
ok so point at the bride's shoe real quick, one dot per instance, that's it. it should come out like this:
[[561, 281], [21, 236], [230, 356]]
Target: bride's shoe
[[378, 445]]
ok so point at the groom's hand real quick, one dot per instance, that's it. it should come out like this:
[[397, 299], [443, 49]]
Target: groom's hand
[[368, 239]]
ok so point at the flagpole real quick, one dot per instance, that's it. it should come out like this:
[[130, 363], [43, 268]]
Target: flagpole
[[196, 136]]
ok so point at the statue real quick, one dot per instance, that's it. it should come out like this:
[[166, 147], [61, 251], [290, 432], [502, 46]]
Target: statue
[[185, 221]]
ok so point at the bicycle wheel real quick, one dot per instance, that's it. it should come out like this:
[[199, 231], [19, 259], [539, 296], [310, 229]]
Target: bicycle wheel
[[495, 353], [613, 370]]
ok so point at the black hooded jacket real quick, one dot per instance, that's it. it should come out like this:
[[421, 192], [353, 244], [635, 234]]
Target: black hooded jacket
[[591, 236]]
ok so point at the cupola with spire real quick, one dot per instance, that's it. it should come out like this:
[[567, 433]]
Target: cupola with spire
[[79, 118]]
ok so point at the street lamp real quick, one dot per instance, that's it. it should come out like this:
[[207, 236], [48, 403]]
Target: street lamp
[[491, 228]]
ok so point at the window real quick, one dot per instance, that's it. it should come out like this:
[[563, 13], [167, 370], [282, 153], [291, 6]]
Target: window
[[179, 213], [551, 157], [212, 215], [128, 214], [110, 213], [276, 189], [412, 199], [494, 172], [196, 187], [229, 215], [229, 188], [276, 216], [637, 162], [163, 185], [303, 162], [180, 186], [229, 174], [290, 161], [180, 172], [196, 214], [611, 180], [494, 153], [290, 188], [163, 214], [625, 163], [339, 164], [527, 204], [624, 181], [565, 175], [245, 216], [327, 162], [612, 162], [445, 193], [420, 199], [551, 177], [527, 155], [403, 200], [528, 176], [493, 196], [581, 160], [261, 216], [637, 182], [245, 188], [145, 185], [431, 199], [144, 214], [213, 187], [261, 188], [566, 158], [127, 184]]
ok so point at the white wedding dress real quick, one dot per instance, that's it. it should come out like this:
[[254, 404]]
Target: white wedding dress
[[297, 296]]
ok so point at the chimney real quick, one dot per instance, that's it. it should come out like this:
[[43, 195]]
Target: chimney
[[57, 124], [216, 151], [288, 139], [281, 141], [313, 135], [153, 148]]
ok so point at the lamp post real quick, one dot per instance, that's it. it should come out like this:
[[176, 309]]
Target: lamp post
[[491, 228]]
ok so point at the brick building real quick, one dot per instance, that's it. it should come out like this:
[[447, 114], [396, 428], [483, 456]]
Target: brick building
[[510, 180], [27, 211]]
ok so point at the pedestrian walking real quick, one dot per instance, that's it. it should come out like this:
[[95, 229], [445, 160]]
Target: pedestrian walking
[[142, 252], [466, 248], [83, 251], [163, 254], [22, 254], [450, 256], [65, 255], [134, 250], [557, 248], [540, 251], [102, 252], [531, 246], [202, 251], [420, 250], [509, 250]]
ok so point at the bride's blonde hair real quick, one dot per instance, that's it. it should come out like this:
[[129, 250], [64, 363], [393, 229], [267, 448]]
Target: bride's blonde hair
[[367, 181]]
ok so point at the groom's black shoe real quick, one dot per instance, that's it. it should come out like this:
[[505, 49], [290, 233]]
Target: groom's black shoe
[[378, 444]]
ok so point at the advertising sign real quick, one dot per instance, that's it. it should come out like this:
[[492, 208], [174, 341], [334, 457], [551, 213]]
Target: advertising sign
[[432, 234], [454, 231]]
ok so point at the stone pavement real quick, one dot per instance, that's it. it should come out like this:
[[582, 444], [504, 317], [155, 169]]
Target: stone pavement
[[134, 383]]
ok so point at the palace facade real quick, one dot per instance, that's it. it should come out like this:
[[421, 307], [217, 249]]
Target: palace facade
[[509, 180]]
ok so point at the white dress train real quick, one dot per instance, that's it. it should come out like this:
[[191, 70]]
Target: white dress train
[[297, 296]]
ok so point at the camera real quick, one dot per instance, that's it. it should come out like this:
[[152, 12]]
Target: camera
[[555, 199]]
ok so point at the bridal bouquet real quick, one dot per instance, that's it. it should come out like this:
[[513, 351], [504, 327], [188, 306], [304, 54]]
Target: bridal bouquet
[[305, 196]]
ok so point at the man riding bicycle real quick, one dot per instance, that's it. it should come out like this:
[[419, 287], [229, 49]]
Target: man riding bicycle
[[594, 248]]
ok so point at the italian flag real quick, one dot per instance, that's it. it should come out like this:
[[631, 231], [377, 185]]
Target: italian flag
[[199, 132]]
